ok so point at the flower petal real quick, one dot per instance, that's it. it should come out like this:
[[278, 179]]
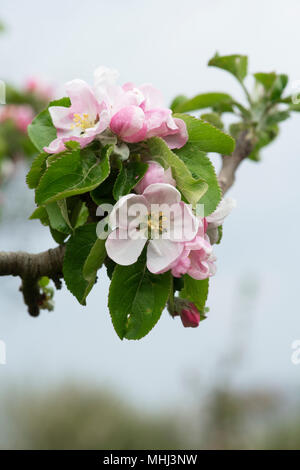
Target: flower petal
[[161, 253], [124, 212], [162, 193], [123, 250], [129, 124], [224, 208]]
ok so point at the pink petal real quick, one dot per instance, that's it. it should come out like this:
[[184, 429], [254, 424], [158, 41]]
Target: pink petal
[[129, 124], [177, 139]]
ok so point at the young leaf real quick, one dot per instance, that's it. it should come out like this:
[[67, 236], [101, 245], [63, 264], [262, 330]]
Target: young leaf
[[195, 291], [204, 100], [278, 86], [41, 131], [36, 171], [192, 189], [177, 101], [73, 173], [235, 64], [78, 249], [207, 137], [266, 79], [201, 167], [137, 299], [130, 174]]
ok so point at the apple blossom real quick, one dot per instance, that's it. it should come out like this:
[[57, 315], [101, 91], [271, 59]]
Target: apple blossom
[[138, 113], [82, 121], [21, 115], [158, 218]]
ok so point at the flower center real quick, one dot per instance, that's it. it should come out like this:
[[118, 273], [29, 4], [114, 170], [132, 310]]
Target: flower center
[[156, 224], [83, 121]]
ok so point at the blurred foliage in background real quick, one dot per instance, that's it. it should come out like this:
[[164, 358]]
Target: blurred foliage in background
[[87, 418]]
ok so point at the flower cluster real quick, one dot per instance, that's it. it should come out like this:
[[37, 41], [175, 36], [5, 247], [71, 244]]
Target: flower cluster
[[177, 239], [128, 112]]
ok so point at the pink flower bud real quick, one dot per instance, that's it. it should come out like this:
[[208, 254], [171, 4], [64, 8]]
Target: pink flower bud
[[188, 312], [190, 316]]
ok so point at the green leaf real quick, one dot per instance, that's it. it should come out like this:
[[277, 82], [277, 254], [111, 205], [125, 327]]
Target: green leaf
[[214, 119], [130, 174], [41, 131], [94, 260], [192, 189], [78, 249], [266, 79], [201, 167], [207, 137], [204, 100], [36, 171], [195, 291], [295, 107], [278, 86], [73, 173], [276, 117], [137, 299], [41, 214], [235, 64], [56, 218], [177, 101]]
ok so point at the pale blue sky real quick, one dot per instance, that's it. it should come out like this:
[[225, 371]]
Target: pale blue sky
[[167, 43]]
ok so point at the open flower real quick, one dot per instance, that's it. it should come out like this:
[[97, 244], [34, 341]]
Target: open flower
[[154, 174], [138, 113], [157, 218], [82, 121]]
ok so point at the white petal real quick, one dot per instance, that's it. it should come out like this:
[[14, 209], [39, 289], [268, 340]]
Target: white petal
[[122, 250], [161, 253], [224, 208], [162, 193], [125, 210]]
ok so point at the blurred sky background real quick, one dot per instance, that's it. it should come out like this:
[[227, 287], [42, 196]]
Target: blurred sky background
[[169, 44]]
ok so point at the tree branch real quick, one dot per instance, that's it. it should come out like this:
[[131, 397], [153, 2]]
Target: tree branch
[[30, 268], [230, 163]]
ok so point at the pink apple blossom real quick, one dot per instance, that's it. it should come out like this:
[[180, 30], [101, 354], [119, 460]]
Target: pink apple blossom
[[158, 218], [138, 113], [196, 259], [21, 115], [154, 174], [40, 88], [82, 121]]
